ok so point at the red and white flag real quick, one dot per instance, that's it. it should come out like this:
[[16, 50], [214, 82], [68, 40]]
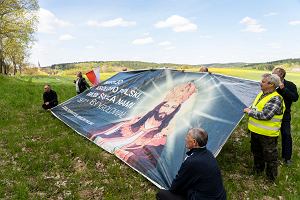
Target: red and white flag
[[94, 76]]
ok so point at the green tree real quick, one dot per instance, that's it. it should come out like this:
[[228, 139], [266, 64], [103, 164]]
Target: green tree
[[18, 20]]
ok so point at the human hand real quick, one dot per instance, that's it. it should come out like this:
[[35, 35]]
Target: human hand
[[123, 154], [281, 85], [247, 110], [181, 92]]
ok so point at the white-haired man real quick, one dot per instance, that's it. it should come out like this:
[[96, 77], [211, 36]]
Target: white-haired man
[[265, 117], [199, 176]]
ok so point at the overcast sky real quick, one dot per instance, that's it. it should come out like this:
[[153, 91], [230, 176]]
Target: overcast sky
[[175, 31]]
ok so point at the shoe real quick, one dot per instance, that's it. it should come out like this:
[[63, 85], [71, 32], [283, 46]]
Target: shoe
[[288, 162]]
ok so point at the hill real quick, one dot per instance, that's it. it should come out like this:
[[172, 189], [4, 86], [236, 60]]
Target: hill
[[116, 66], [288, 64]]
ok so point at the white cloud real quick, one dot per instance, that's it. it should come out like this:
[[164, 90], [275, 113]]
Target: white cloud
[[142, 41], [177, 23], [252, 25], [169, 48], [66, 37], [111, 23], [205, 36], [274, 45], [165, 43], [89, 47], [48, 22], [294, 23], [270, 14]]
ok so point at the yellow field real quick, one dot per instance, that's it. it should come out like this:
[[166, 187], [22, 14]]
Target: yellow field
[[251, 74]]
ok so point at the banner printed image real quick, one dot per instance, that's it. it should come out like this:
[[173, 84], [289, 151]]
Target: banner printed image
[[142, 116], [140, 141]]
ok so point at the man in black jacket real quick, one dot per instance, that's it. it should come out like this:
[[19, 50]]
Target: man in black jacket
[[80, 83], [50, 97], [288, 91], [199, 176]]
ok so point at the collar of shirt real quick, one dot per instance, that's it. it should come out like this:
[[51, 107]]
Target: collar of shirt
[[265, 94], [190, 152]]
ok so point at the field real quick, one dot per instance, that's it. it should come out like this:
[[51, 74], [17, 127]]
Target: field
[[252, 74], [41, 158]]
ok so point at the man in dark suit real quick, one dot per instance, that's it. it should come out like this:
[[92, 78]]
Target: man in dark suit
[[80, 83], [288, 91], [199, 176], [49, 97]]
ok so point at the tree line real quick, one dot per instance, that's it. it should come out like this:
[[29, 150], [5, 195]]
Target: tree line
[[18, 22], [111, 66], [287, 63]]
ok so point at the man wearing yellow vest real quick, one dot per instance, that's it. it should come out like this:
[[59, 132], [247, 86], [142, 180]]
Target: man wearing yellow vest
[[265, 116]]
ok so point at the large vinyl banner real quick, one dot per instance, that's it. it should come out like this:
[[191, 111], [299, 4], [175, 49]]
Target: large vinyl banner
[[143, 116]]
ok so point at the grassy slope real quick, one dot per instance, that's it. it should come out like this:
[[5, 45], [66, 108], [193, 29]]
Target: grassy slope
[[40, 157]]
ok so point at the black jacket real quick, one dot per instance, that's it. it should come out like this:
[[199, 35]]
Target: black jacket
[[50, 97], [290, 95], [82, 84], [199, 177]]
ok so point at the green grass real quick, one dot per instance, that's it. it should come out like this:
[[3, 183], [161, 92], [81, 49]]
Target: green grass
[[41, 158], [66, 79]]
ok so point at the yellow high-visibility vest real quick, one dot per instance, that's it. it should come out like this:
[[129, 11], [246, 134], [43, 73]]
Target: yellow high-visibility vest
[[266, 127]]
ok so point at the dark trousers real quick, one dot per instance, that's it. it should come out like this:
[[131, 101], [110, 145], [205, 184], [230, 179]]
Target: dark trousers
[[49, 106], [167, 195], [286, 140], [265, 154]]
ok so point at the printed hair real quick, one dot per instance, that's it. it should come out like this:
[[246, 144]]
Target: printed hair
[[165, 122]]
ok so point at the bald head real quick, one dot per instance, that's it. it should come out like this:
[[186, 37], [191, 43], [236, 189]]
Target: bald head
[[203, 69], [47, 88]]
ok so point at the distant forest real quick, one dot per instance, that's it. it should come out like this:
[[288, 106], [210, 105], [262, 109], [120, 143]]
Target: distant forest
[[287, 63], [114, 66]]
